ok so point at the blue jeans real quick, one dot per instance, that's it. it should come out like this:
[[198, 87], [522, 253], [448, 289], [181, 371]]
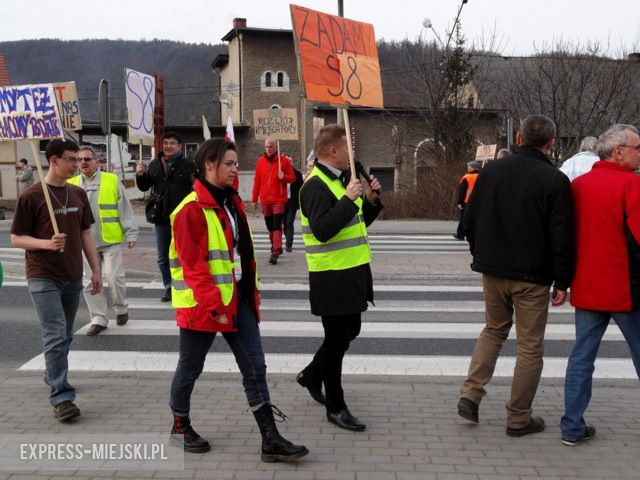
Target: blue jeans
[[590, 327], [247, 349], [56, 304], [163, 242]]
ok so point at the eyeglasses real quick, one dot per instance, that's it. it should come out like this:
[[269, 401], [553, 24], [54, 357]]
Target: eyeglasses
[[85, 159], [636, 147]]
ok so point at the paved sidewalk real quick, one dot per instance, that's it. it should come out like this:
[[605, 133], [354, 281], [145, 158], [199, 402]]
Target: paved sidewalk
[[413, 431]]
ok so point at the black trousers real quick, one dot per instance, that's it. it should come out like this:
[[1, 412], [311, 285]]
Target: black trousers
[[326, 366]]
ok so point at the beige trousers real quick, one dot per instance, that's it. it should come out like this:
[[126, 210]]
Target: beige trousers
[[110, 259], [531, 304]]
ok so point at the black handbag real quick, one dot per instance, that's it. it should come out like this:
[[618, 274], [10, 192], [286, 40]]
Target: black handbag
[[153, 208]]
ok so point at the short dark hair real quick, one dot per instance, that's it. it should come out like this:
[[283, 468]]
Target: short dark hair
[[25, 161], [175, 135], [212, 150], [537, 130], [58, 146], [328, 136]]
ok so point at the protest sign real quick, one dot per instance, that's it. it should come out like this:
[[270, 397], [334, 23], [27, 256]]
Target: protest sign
[[29, 112], [337, 59], [484, 153], [68, 105], [140, 90], [275, 123]]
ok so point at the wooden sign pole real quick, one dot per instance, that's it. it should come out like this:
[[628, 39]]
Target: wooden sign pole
[[352, 162], [279, 165], [36, 155]]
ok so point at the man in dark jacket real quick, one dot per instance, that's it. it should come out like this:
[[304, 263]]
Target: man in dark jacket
[[171, 177], [519, 226], [290, 209], [334, 216]]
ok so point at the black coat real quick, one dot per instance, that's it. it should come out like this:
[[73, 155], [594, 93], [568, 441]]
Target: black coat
[[336, 292], [519, 220], [294, 198], [176, 183]]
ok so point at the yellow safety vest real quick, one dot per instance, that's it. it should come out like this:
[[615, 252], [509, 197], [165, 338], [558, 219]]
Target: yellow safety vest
[[108, 214], [219, 260], [348, 248]]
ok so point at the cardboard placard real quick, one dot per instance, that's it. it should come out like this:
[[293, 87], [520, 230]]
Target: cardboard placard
[[68, 106], [275, 123], [337, 59], [140, 90], [484, 153]]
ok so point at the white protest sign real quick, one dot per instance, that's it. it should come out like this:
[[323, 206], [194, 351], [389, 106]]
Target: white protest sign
[[140, 90], [68, 105], [29, 112]]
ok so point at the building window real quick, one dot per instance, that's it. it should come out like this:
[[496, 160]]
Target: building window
[[471, 102], [275, 106], [274, 82], [386, 177]]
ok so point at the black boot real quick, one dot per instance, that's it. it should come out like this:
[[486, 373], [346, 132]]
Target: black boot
[[184, 434], [274, 447]]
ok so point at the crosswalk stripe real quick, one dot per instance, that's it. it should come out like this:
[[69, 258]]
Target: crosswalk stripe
[[369, 330], [116, 361]]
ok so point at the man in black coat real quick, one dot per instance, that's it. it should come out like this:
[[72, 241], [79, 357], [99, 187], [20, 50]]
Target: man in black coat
[[171, 177], [290, 209], [519, 224], [334, 217]]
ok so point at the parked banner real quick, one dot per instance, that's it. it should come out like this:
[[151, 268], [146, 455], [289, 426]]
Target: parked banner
[[68, 105], [140, 90], [276, 123], [337, 59], [29, 112]]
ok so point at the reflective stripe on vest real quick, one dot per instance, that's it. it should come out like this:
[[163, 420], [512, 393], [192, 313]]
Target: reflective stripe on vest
[[108, 214], [348, 248], [218, 261]]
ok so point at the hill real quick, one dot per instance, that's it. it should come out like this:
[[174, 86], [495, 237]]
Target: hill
[[190, 85]]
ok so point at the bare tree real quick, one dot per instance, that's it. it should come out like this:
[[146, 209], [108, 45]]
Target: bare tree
[[582, 87]]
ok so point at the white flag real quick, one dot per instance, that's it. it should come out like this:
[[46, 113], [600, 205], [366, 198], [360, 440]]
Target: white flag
[[206, 133], [229, 136]]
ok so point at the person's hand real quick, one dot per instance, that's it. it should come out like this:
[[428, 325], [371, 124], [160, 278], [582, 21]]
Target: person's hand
[[280, 174], [255, 207], [130, 245], [96, 283], [558, 297], [369, 189], [354, 189], [57, 242], [140, 169]]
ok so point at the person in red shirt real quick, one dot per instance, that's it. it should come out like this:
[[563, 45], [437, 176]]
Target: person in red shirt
[[606, 282], [272, 174]]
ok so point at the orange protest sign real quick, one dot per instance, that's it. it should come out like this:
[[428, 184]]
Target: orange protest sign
[[337, 58]]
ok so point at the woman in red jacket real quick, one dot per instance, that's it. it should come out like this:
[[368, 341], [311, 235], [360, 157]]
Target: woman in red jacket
[[214, 289]]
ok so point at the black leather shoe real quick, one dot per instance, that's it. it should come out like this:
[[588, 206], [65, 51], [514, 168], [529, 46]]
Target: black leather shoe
[[167, 295], [344, 419], [315, 392], [468, 410], [122, 318], [535, 425]]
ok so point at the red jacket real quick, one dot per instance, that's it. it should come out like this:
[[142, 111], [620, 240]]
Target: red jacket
[[266, 184], [190, 237], [607, 222]]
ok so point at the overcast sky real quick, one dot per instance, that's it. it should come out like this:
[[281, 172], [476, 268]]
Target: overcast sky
[[519, 23]]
